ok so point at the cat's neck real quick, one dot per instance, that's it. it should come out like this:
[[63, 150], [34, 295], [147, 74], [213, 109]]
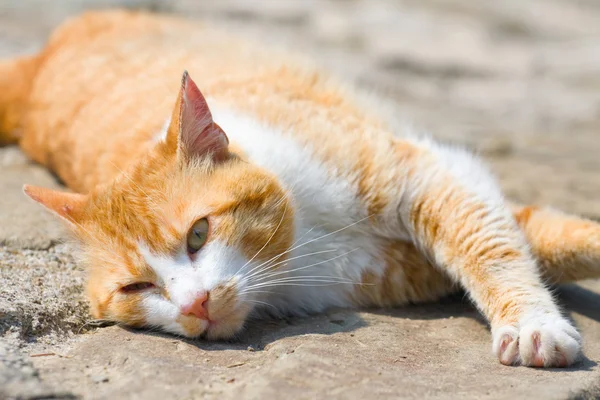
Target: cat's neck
[[330, 246]]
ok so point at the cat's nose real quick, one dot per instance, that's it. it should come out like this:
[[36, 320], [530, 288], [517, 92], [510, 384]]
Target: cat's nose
[[197, 307]]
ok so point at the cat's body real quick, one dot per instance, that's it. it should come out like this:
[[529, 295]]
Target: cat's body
[[314, 200]]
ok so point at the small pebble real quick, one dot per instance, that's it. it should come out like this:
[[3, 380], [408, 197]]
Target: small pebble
[[99, 378], [27, 370]]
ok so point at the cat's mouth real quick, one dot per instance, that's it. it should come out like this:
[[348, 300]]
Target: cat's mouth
[[225, 326]]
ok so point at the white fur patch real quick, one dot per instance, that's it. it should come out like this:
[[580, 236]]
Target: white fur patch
[[162, 313], [333, 247]]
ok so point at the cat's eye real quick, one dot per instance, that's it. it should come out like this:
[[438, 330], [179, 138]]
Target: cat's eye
[[137, 287], [197, 235]]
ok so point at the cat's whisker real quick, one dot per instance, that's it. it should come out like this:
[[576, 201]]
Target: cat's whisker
[[306, 281], [304, 267], [305, 233], [290, 278], [96, 323], [245, 291], [262, 302], [274, 258], [311, 241], [159, 329], [285, 261], [324, 283], [270, 238], [316, 278]]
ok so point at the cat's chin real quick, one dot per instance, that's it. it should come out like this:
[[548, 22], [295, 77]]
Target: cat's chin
[[225, 328]]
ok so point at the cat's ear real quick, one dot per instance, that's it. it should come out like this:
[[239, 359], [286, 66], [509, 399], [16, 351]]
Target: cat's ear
[[192, 130], [68, 206]]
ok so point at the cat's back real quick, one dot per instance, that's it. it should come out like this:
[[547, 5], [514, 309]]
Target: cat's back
[[107, 82]]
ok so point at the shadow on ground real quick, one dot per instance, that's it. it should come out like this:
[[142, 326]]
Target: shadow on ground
[[259, 334]]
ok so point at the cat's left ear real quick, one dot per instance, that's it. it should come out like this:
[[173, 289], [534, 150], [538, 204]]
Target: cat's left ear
[[68, 206], [192, 129]]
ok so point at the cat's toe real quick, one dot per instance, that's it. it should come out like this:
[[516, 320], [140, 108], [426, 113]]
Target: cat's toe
[[549, 342], [506, 345], [539, 342]]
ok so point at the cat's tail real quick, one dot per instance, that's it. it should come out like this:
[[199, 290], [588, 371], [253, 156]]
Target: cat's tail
[[16, 78], [567, 247]]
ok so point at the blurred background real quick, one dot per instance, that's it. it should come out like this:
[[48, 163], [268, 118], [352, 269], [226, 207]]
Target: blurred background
[[517, 81]]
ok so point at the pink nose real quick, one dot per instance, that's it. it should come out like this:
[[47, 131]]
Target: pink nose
[[196, 307]]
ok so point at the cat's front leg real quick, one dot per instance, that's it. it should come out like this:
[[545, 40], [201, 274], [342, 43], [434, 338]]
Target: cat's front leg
[[455, 213]]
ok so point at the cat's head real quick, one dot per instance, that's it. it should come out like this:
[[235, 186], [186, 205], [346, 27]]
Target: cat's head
[[182, 240]]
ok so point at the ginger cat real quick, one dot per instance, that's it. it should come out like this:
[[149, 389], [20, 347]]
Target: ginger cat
[[273, 189]]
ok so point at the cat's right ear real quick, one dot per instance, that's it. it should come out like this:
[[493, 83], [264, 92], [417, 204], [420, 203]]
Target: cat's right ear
[[192, 131], [68, 206]]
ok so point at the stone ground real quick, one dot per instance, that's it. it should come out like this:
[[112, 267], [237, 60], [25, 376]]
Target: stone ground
[[518, 82]]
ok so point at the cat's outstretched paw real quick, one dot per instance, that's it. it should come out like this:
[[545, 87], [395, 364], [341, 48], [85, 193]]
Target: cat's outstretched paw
[[549, 341]]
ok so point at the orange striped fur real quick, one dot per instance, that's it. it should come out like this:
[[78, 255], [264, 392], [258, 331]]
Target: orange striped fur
[[293, 173]]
